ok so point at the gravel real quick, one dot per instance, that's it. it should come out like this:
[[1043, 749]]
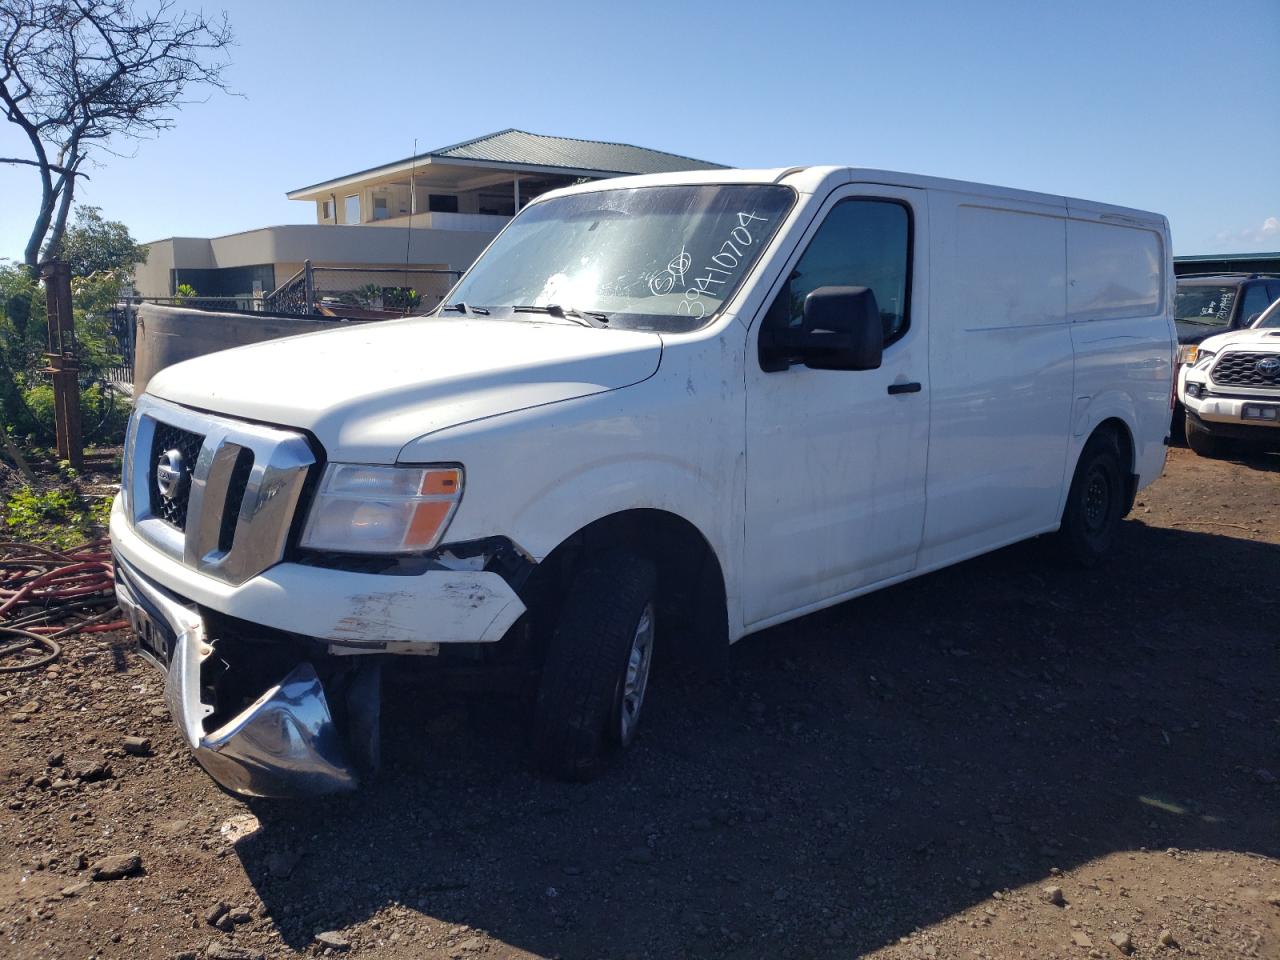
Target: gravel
[[116, 867], [897, 778]]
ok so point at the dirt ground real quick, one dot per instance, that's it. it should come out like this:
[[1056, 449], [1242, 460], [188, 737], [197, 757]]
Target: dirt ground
[[902, 776]]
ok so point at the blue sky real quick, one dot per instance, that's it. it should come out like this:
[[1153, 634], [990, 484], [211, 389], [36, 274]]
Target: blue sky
[[1167, 106]]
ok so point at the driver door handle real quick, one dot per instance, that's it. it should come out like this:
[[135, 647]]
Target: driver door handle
[[895, 388]]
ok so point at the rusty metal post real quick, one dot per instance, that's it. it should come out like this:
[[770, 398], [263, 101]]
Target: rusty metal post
[[64, 366], [309, 285]]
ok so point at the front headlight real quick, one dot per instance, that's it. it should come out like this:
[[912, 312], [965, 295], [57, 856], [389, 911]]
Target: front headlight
[[371, 509], [1187, 352], [1203, 357], [126, 464]]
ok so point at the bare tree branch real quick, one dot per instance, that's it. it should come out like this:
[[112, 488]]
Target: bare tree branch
[[76, 75], [35, 163]]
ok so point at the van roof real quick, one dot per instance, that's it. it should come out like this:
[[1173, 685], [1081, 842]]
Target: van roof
[[820, 179]]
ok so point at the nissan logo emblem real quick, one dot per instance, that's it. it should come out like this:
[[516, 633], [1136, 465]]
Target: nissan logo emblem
[[169, 473]]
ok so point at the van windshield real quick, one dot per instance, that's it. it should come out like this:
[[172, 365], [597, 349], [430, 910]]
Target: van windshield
[[648, 258], [1206, 305]]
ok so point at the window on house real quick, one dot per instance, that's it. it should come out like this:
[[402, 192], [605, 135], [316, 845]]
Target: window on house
[[326, 209], [379, 208], [351, 209], [862, 243], [442, 203], [498, 204]]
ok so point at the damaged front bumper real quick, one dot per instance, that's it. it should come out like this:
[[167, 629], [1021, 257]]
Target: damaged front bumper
[[283, 744]]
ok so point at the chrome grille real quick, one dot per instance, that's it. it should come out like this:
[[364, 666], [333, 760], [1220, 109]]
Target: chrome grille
[[230, 515], [187, 446], [1239, 368]]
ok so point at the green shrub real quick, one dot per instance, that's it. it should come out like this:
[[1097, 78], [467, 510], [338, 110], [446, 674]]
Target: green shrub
[[58, 516], [103, 415], [23, 342]]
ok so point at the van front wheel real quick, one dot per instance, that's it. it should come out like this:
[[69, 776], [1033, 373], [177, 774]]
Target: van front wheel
[[596, 673], [1095, 503]]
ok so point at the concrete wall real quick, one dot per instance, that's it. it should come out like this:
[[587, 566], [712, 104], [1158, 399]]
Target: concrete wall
[[485, 223], [151, 279], [322, 244], [169, 335]]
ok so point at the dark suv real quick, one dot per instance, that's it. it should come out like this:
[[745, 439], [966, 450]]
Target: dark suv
[[1205, 306]]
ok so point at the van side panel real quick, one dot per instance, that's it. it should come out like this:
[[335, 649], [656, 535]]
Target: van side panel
[[1119, 306], [1001, 369]]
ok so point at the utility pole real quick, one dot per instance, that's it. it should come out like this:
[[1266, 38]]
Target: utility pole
[[64, 366]]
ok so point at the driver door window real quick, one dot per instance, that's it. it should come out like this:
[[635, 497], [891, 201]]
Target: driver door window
[[862, 243]]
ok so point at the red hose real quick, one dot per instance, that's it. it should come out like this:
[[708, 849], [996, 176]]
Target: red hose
[[53, 592]]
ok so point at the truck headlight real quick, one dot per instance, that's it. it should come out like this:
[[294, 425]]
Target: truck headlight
[[374, 509], [1187, 352], [126, 464]]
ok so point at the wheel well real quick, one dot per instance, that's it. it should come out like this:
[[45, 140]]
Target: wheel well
[[1123, 437], [692, 611]]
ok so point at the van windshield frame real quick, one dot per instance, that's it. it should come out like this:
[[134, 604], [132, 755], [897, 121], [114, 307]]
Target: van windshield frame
[[661, 258]]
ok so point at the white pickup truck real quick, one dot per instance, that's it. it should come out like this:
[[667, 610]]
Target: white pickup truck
[[1230, 387], [656, 415]]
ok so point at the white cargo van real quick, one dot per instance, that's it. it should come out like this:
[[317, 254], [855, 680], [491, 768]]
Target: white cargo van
[[657, 414]]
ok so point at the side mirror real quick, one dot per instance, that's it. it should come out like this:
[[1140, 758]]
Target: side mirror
[[842, 330]]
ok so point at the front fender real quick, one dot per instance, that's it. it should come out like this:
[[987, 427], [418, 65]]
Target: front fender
[[612, 485], [672, 443]]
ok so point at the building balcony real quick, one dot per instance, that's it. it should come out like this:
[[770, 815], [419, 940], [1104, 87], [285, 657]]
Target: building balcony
[[486, 222]]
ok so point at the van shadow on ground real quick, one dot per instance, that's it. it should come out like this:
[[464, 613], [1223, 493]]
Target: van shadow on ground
[[865, 771]]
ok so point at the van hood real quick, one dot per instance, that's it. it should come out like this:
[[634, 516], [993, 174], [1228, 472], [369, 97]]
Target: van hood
[[366, 391], [1265, 339]]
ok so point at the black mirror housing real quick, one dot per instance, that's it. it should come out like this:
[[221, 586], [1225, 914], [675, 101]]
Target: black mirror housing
[[842, 329]]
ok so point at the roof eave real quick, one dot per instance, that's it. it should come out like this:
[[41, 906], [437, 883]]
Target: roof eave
[[314, 191]]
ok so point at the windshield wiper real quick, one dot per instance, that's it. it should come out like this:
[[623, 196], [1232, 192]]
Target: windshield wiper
[[463, 309], [1199, 323], [583, 317]]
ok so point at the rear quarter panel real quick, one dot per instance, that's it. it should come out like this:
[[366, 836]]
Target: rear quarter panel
[[1120, 305]]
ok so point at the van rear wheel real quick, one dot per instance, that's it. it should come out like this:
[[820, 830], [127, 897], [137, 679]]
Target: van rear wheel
[[1096, 503], [596, 673]]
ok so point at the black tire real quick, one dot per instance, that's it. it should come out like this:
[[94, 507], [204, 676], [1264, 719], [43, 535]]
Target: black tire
[[1096, 503], [1177, 424], [577, 718], [1201, 440]]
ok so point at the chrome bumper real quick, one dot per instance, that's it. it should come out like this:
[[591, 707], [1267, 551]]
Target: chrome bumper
[[284, 744]]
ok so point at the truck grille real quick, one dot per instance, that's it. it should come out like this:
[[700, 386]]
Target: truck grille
[[218, 495], [183, 446], [1239, 368]]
